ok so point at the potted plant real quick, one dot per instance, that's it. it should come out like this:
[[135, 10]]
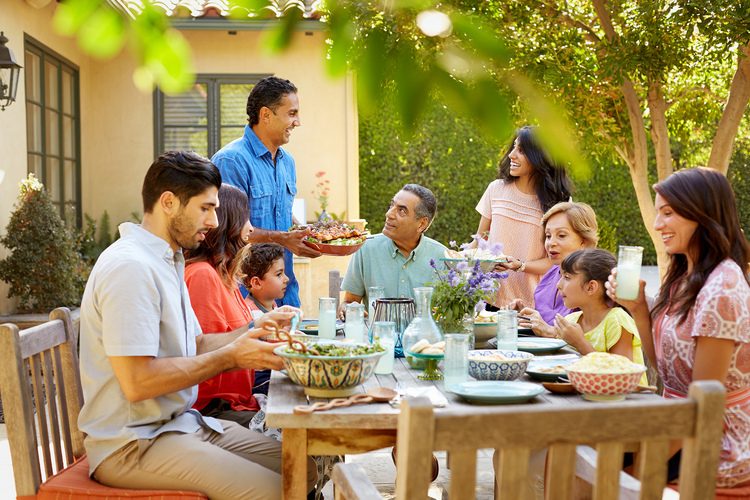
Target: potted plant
[[44, 269]]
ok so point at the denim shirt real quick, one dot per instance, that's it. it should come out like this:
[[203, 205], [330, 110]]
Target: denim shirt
[[247, 164]]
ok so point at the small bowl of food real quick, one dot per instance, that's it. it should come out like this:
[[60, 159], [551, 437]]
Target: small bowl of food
[[490, 364], [329, 368], [601, 376], [485, 328]]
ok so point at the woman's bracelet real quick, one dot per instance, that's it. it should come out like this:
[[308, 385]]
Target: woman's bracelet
[[522, 267]]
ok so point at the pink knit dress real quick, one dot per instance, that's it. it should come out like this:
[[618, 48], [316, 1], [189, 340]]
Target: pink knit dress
[[516, 222]]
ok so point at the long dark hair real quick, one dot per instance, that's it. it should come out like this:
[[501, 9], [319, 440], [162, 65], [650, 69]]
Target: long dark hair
[[550, 180], [223, 244], [702, 195], [591, 263]]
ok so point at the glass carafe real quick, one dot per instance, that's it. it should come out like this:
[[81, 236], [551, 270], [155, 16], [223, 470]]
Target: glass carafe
[[354, 327], [423, 326]]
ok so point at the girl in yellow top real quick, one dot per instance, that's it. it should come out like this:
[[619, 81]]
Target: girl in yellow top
[[597, 325]]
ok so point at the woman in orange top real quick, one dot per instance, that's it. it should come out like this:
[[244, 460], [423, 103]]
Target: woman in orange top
[[529, 183], [211, 277]]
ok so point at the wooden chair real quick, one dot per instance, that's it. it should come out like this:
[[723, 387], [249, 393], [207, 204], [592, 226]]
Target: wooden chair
[[514, 433], [41, 391]]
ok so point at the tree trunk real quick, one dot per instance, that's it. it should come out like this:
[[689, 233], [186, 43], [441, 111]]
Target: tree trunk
[[739, 95], [638, 167], [659, 133]]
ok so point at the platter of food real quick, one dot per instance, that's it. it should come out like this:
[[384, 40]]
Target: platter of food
[[333, 237], [549, 370], [486, 259]]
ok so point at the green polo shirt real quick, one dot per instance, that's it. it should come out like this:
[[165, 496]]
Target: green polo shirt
[[379, 263]]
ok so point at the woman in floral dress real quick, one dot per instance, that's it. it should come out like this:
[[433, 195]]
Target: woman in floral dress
[[699, 327]]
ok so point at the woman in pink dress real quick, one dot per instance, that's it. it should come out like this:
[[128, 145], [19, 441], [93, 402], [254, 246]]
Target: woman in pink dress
[[699, 327], [529, 183]]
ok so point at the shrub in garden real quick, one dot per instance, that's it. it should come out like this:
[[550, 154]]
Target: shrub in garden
[[44, 270]]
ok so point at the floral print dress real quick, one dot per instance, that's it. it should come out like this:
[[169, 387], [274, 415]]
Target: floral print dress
[[721, 310]]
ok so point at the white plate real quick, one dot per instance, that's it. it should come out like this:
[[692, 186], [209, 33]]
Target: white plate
[[497, 392], [539, 345]]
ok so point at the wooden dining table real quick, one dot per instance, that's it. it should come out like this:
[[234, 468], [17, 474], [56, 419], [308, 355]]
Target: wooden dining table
[[364, 427]]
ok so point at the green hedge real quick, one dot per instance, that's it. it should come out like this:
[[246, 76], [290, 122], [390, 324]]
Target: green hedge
[[448, 155]]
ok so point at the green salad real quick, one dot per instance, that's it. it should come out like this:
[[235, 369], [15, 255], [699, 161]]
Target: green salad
[[338, 350]]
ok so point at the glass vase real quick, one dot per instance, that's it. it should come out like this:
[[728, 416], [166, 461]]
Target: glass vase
[[423, 326]]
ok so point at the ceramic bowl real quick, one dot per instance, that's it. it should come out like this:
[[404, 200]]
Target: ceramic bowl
[[328, 376], [510, 369], [605, 386], [483, 332]]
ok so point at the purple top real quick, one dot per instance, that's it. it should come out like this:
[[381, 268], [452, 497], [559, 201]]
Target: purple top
[[547, 300]]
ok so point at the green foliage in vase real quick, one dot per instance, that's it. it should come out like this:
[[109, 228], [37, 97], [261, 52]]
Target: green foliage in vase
[[43, 268], [459, 291]]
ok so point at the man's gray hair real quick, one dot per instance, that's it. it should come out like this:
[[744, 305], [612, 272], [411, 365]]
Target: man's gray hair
[[427, 206]]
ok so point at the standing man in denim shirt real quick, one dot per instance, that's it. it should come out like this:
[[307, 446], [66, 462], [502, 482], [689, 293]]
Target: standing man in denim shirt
[[258, 165]]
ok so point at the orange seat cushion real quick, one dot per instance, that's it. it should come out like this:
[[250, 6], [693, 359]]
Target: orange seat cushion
[[74, 482]]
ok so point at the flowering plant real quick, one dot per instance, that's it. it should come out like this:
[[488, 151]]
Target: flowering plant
[[461, 291], [322, 189]]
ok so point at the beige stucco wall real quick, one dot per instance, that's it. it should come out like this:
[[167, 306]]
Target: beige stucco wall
[[117, 119], [18, 18]]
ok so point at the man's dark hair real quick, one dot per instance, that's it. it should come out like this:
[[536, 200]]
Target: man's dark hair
[[268, 92], [427, 206], [184, 173], [258, 259]]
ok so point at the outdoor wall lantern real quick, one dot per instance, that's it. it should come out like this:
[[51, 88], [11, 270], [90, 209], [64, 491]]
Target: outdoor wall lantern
[[10, 70]]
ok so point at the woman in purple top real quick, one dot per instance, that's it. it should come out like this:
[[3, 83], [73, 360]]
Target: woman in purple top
[[568, 227]]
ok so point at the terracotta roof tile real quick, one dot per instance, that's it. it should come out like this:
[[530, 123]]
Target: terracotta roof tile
[[214, 8]]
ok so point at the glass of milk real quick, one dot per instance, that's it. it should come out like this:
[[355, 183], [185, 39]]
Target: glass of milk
[[327, 317], [385, 331], [628, 272]]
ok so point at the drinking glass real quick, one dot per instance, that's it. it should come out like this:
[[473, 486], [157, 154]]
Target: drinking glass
[[385, 331], [629, 272], [373, 294], [327, 317], [507, 330], [354, 328], [456, 363]]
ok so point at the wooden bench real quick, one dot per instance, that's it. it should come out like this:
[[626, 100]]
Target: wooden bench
[[608, 428], [41, 390]]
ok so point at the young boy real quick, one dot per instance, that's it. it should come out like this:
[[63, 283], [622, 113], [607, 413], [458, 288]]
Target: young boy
[[264, 277], [263, 269]]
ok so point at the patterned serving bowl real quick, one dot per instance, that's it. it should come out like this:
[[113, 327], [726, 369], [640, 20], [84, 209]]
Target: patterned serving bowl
[[328, 376], [482, 366], [605, 386]]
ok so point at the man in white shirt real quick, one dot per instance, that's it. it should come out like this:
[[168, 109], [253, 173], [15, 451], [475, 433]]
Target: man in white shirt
[[143, 354]]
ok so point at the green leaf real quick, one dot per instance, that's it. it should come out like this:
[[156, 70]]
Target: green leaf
[[555, 132], [481, 37], [372, 69], [492, 109], [103, 35], [280, 36], [341, 42], [413, 86], [72, 14]]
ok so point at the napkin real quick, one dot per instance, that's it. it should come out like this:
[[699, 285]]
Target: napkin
[[432, 393]]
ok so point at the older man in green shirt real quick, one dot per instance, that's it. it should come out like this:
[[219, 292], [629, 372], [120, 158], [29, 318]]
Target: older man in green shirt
[[399, 258]]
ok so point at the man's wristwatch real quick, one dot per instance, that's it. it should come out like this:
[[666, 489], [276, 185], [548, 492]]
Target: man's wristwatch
[[522, 267]]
